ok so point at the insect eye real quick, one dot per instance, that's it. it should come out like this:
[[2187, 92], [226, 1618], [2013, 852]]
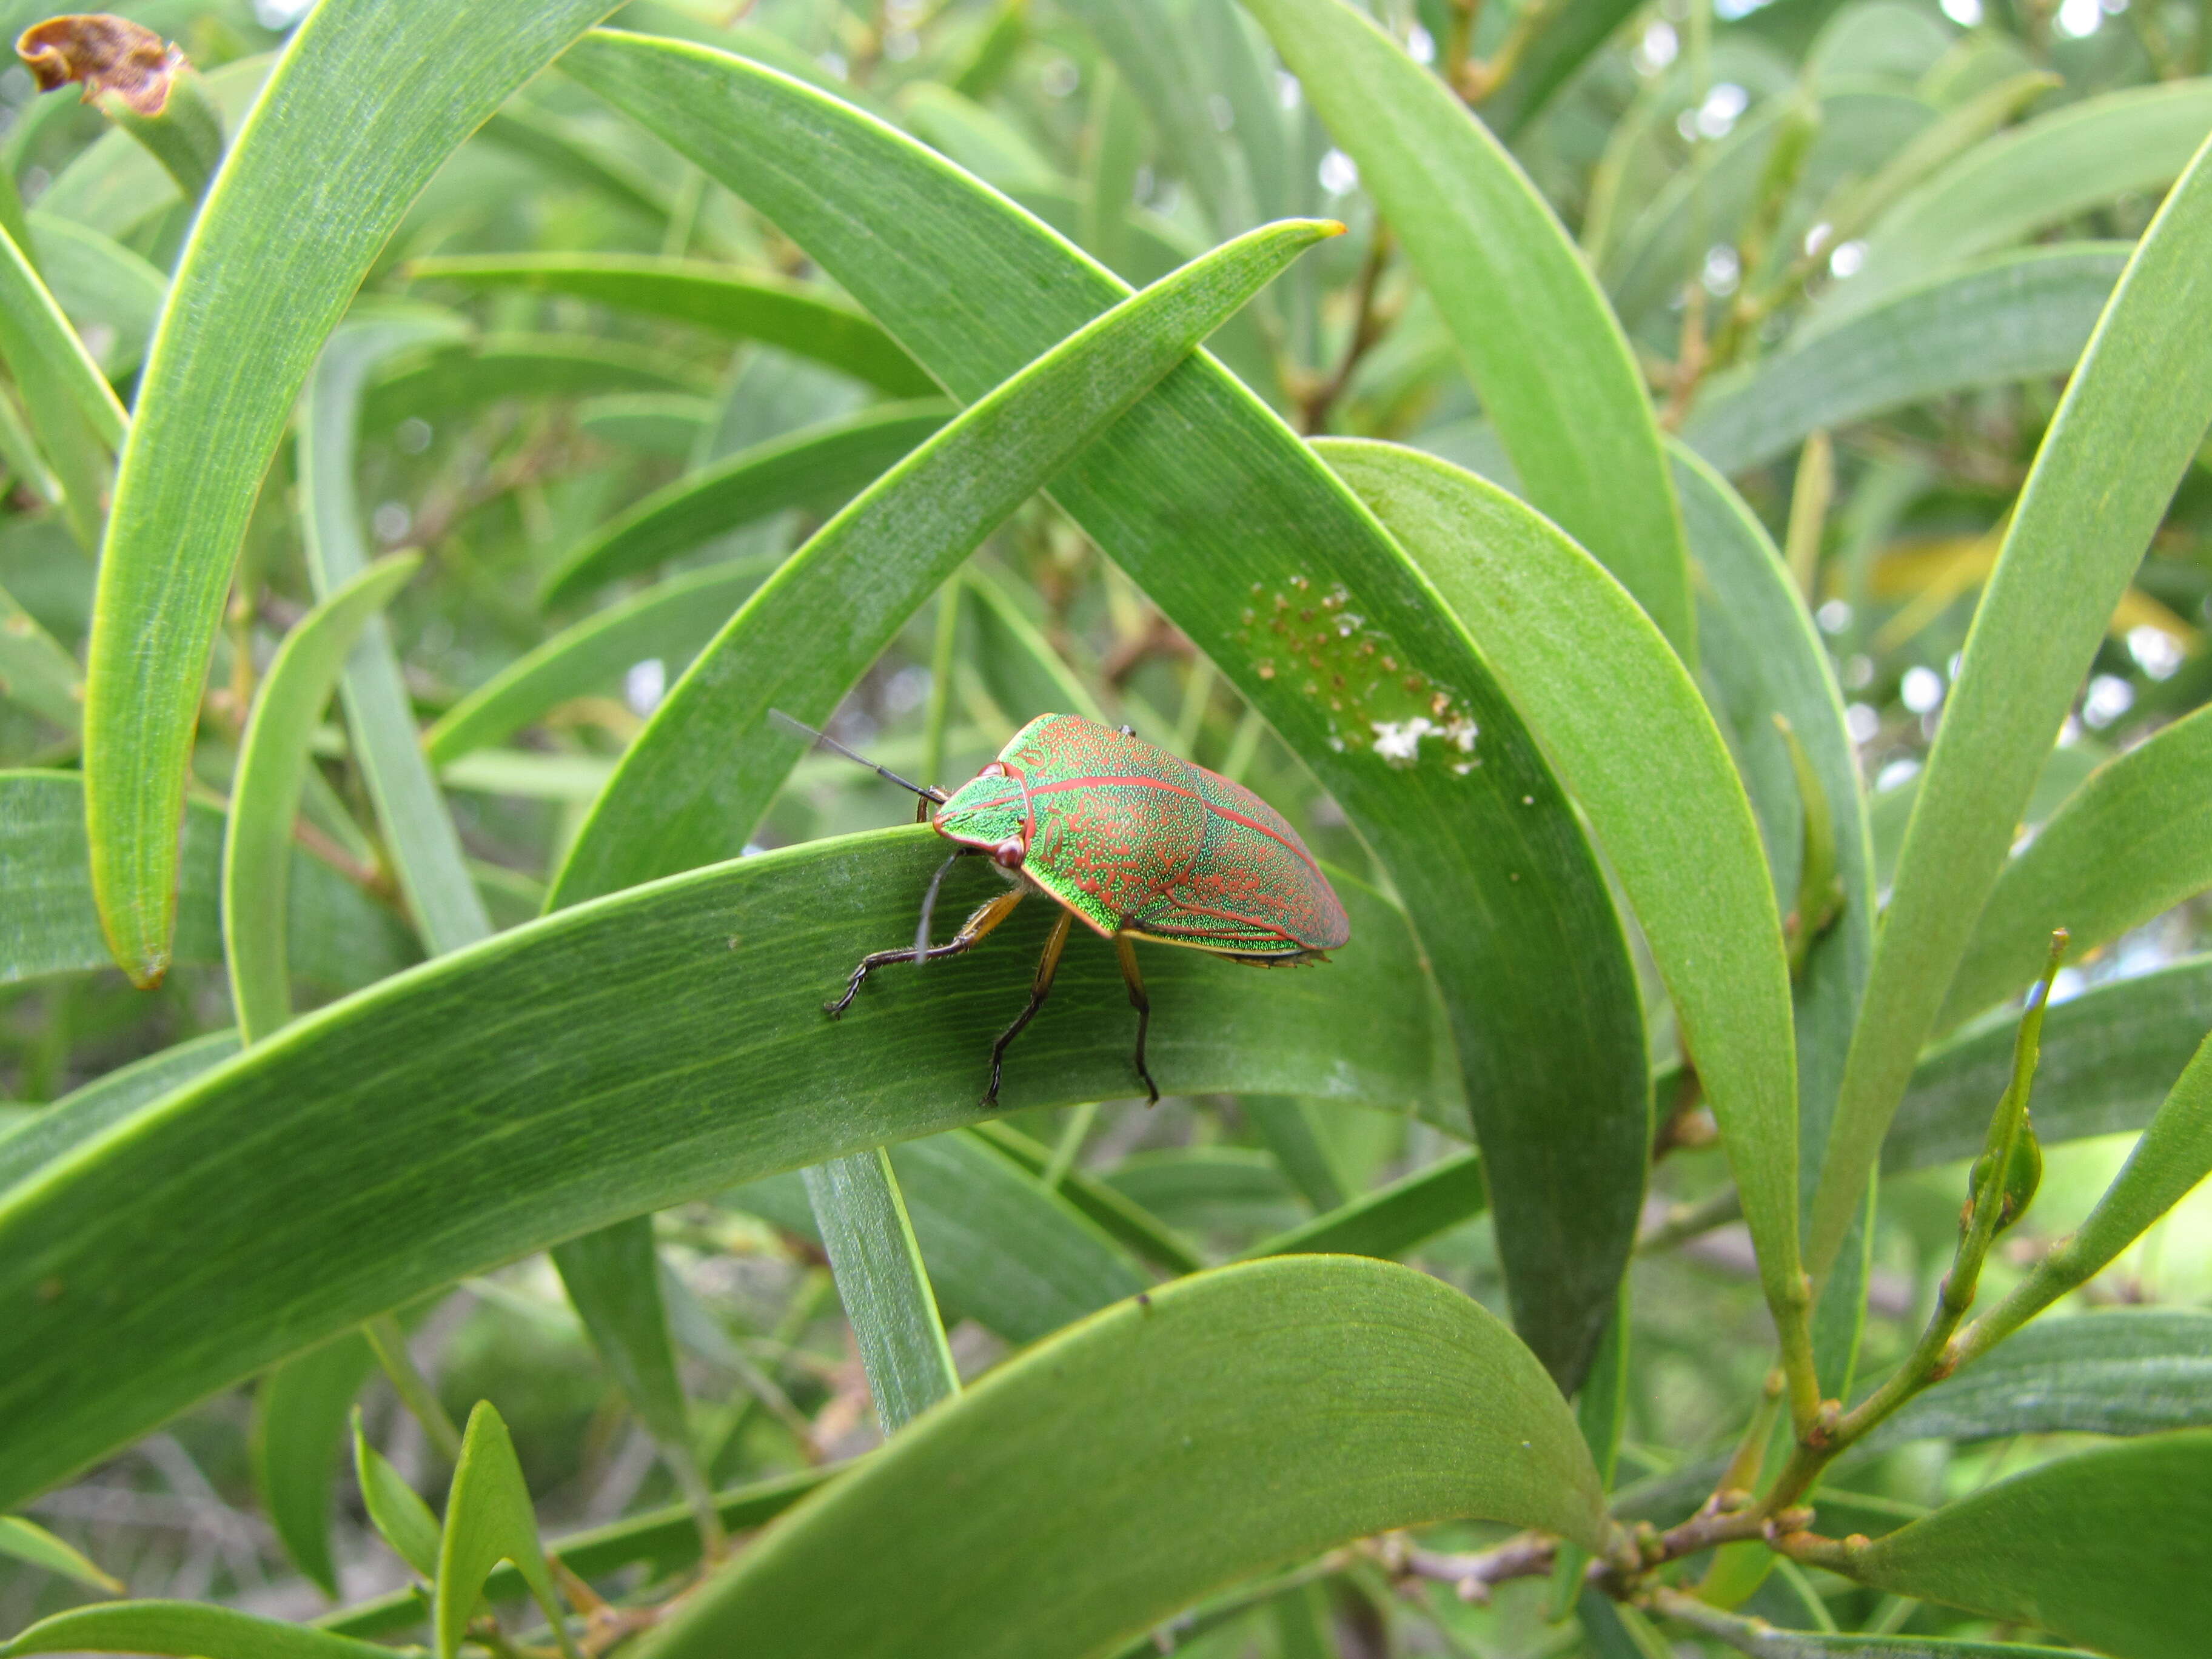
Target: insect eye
[[995, 769], [1009, 854]]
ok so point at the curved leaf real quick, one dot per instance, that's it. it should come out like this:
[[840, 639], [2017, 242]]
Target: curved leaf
[[1547, 357], [22, 1540], [2125, 1371], [1392, 1219], [452, 379], [299, 1420], [366, 104], [884, 1287], [859, 577], [670, 620], [488, 1519], [81, 1114], [2043, 172], [1623, 720], [32, 327], [1114, 1213], [2016, 317], [99, 284], [2132, 418], [114, 185], [272, 766], [1542, 997], [184, 1629], [340, 937], [1007, 1523], [407, 1524], [820, 466], [2105, 1547], [612, 1277], [619, 1078], [2110, 1056], [707, 296], [36, 672], [2132, 842]]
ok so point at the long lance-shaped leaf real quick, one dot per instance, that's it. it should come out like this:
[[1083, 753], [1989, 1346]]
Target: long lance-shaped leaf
[[708, 296], [820, 466], [885, 1285], [2126, 1371], [1392, 1219], [299, 1418], [425, 846], [1560, 44], [22, 1540], [32, 326], [1622, 718], [2130, 422], [488, 1519], [1763, 643], [2110, 1056], [340, 937], [36, 672], [273, 767], [1552, 365], [2048, 171], [669, 621], [367, 103], [2133, 842], [85, 1112], [2018, 316], [101, 283], [634, 1060], [1242, 518], [988, 1529], [868, 570], [184, 1629], [2106, 1548], [450, 379]]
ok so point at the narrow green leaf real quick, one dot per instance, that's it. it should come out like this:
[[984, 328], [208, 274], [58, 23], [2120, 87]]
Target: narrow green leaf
[[1562, 43], [665, 1540], [2014, 317], [669, 423], [613, 1280], [32, 326], [367, 103], [2122, 1370], [426, 848], [1238, 1191], [2132, 418], [1621, 717], [488, 1519], [2110, 1057], [340, 937], [638, 1061], [1763, 1641], [184, 1629], [664, 810], [1550, 361], [395, 1509], [2104, 1548], [1543, 1000], [2048, 171], [1287, 1127], [114, 185], [883, 1285], [300, 1412], [1114, 1213], [568, 154], [1393, 1220], [85, 1112], [99, 283], [450, 380], [35, 670], [1017, 663], [2135, 840], [1150, 45], [1760, 646], [27, 1541], [272, 765], [669, 621], [820, 466], [985, 1525]]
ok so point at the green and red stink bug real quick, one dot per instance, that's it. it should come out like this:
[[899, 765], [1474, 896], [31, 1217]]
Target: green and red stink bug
[[1132, 841]]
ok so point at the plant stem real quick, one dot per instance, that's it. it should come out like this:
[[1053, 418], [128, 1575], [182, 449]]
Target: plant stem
[[1369, 323], [413, 1389], [940, 682]]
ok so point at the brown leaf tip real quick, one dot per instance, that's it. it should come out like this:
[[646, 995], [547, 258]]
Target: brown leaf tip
[[105, 54]]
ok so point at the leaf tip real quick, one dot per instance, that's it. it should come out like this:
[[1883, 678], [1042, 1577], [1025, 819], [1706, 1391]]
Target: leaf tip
[[106, 55]]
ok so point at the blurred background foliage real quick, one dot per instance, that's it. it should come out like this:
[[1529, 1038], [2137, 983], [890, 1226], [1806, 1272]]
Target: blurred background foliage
[[1750, 184]]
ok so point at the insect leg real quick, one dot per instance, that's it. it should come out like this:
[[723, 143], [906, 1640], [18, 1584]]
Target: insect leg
[[1040, 988], [1142, 1003], [985, 918]]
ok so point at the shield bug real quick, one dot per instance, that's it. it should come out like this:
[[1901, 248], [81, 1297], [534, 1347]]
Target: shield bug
[[1128, 839]]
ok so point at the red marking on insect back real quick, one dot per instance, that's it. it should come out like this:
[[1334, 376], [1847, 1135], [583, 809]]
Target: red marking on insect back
[[1268, 830]]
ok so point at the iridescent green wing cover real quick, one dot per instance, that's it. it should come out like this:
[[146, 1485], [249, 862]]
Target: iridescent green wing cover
[[1112, 821], [1254, 890]]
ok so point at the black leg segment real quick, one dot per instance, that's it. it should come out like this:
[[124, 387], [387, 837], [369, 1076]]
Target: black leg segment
[[985, 918], [1047, 965], [1135, 980]]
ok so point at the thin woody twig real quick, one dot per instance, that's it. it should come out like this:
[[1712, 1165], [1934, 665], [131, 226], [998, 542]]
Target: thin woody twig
[[1370, 321]]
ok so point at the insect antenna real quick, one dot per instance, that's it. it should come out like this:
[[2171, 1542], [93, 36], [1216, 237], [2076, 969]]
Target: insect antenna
[[824, 737], [929, 905]]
